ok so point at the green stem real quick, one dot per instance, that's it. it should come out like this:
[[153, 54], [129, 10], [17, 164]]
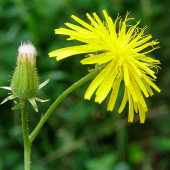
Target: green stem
[[58, 100], [27, 141]]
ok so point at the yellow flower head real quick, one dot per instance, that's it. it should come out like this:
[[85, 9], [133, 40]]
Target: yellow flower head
[[122, 53]]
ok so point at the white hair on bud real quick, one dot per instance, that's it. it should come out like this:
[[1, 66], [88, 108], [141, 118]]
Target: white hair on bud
[[27, 48]]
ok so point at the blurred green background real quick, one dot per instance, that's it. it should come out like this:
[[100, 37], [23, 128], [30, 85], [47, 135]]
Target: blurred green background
[[81, 134]]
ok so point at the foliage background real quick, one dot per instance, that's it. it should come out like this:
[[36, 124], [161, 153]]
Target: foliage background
[[81, 134]]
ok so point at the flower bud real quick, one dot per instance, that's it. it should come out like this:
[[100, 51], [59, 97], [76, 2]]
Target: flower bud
[[25, 82]]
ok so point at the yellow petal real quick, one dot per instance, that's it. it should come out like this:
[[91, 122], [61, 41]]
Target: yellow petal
[[108, 56], [151, 83], [105, 88], [111, 26], [145, 68], [128, 37], [69, 51], [140, 48], [122, 32], [92, 21], [140, 96], [136, 37], [124, 101], [146, 59], [132, 92], [139, 81], [79, 29], [114, 94], [135, 69], [80, 36], [82, 22], [93, 59], [148, 88], [101, 31], [100, 23], [65, 31], [142, 114], [131, 110], [126, 73], [135, 107], [142, 41], [106, 85], [95, 83]]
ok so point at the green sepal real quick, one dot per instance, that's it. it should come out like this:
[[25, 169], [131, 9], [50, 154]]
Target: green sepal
[[4, 87], [33, 103], [91, 70], [40, 100], [18, 106], [9, 98], [44, 83]]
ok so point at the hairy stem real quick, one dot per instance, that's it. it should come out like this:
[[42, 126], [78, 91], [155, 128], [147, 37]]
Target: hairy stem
[[58, 100], [27, 141]]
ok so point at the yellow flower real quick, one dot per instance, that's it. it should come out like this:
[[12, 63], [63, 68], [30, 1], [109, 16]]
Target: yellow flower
[[122, 55]]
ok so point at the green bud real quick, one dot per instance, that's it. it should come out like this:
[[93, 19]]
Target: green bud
[[25, 82]]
